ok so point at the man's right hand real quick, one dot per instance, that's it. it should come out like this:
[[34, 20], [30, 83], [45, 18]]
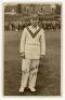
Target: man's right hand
[[23, 55]]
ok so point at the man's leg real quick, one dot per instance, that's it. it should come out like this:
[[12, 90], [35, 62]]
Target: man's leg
[[33, 74], [25, 74]]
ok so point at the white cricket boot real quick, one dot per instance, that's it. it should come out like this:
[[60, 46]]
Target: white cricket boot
[[32, 89], [21, 90]]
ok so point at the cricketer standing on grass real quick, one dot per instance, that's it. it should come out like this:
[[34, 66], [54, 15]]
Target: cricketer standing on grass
[[32, 48]]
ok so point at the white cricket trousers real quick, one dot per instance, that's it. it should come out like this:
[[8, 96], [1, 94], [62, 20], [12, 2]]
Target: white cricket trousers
[[29, 72]]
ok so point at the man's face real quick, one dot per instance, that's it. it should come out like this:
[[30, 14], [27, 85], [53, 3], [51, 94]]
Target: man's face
[[34, 21]]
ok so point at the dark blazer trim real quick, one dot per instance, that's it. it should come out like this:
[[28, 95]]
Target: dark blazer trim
[[33, 34]]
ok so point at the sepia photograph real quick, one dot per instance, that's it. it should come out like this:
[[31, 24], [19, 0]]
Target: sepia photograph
[[32, 49]]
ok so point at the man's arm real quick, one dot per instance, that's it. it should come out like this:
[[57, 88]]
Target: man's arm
[[22, 43], [42, 43]]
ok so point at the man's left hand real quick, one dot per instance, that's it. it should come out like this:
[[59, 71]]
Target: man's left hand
[[41, 57]]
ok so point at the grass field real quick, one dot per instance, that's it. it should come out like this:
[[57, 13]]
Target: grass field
[[48, 81]]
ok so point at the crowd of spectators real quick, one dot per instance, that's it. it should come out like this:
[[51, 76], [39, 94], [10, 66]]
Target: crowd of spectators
[[17, 17]]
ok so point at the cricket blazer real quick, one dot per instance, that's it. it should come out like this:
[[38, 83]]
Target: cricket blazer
[[33, 42]]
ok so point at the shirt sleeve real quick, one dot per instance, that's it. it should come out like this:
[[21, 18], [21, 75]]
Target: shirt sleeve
[[22, 41], [42, 43]]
